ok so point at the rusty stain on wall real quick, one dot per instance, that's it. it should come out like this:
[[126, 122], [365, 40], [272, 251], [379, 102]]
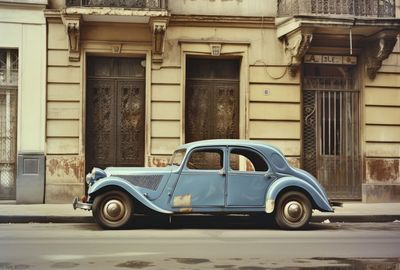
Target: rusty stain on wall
[[158, 161], [383, 170], [65, 167], [182, 201], [294, 161], [374, 193]]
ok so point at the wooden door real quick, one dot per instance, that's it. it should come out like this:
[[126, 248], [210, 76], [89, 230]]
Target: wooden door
[[115, 112], [212, 99]]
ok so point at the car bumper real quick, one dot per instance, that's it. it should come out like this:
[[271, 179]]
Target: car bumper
[[78, 204]]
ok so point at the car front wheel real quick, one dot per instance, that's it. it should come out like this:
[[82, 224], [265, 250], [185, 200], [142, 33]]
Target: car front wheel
[[293, 210], [112, 209]]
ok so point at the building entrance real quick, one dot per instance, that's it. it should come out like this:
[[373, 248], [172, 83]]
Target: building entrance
[[115, 112], [331, 133], [212, 99]]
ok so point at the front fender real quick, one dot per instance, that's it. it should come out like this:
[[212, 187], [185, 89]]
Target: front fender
[[121, 183], [276, 187]]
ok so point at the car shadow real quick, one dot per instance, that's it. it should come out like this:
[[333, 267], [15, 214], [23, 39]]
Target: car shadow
[[231, 222]]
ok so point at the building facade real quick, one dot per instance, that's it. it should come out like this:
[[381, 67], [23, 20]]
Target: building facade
[[128, 81], [22, 100]]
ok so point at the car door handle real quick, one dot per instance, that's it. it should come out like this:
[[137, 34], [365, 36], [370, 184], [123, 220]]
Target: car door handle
[[222, 173]]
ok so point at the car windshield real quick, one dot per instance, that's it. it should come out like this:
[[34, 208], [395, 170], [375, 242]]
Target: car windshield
[[177, 157]]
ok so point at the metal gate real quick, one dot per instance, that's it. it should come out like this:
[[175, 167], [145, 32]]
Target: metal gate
[[115, 112], [8, 122], [331, 134], [212, 99]]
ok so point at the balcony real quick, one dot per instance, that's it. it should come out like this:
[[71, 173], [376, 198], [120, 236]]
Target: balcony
[[366, 28], [134, 4], [338, 8]]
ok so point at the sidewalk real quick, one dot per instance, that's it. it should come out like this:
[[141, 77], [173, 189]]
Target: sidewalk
[[64, 213]]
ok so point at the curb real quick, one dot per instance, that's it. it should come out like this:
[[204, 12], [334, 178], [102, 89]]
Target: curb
[[356, 218], [45, 219], [89, 219]]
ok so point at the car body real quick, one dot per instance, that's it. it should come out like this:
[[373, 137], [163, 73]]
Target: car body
[[211, 176]]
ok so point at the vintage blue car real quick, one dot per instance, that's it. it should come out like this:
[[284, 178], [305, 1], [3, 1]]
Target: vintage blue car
[[213, 177]]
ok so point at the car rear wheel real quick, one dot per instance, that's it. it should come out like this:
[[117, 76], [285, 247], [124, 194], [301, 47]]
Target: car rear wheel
[[293, 210], [113, 209]]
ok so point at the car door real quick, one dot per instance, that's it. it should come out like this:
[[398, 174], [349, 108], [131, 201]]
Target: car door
[[201, 183], [248, 178]]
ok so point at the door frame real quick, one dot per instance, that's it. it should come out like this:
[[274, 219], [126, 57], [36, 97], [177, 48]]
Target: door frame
[[128, 50], [232, 50]]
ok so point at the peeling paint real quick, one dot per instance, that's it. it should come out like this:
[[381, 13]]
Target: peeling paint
[[294, 161], [183, 201], [375, 193], [65, 167], [269, 206], [383, 170], [157, 161]]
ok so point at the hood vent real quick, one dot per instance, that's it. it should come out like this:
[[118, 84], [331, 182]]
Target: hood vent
[[145, 181]]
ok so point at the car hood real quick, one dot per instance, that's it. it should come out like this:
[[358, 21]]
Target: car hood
[[110, 171]]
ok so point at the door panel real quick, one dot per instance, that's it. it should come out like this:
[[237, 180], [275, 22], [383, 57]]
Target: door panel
[[247, 189], [130, 120], [226, 110], [198, 126], [202, 180], [100, 128], [204, 188], [248, 178]]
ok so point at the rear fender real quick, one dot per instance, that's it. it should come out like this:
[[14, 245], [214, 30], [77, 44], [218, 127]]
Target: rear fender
[[113, 182], [320, 201]]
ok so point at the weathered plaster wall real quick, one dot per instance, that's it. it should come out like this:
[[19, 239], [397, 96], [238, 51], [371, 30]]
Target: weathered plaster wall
[[272, 116], [25, 30], [382, 132], [64, 157]]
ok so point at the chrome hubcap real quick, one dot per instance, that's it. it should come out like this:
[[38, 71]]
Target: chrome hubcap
[[114, 210], [293, 211]]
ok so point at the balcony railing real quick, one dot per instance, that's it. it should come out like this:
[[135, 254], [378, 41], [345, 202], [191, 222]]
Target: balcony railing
[[139, 4], [358, 8]]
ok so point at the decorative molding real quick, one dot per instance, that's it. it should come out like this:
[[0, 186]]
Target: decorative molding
[[73, 24], [296, 45], [116, 48], [379, 47], [215, 49], [222, 21], [158, 28]]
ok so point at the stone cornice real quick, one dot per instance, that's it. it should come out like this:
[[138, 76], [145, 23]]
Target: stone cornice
[[222, 21]]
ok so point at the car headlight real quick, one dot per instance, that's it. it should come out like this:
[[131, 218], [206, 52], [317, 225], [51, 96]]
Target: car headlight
[[94, 175]]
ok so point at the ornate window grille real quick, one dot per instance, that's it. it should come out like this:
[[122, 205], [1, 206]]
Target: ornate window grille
[[358, 8], [142, 4], [8, 121]]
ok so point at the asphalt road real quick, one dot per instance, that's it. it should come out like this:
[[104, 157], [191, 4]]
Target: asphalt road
[[227, 245]]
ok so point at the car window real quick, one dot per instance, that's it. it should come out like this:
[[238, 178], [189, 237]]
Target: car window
[[245, 160], [206, 159]]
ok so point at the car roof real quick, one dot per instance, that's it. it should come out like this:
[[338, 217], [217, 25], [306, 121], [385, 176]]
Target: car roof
[[231, 142]]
